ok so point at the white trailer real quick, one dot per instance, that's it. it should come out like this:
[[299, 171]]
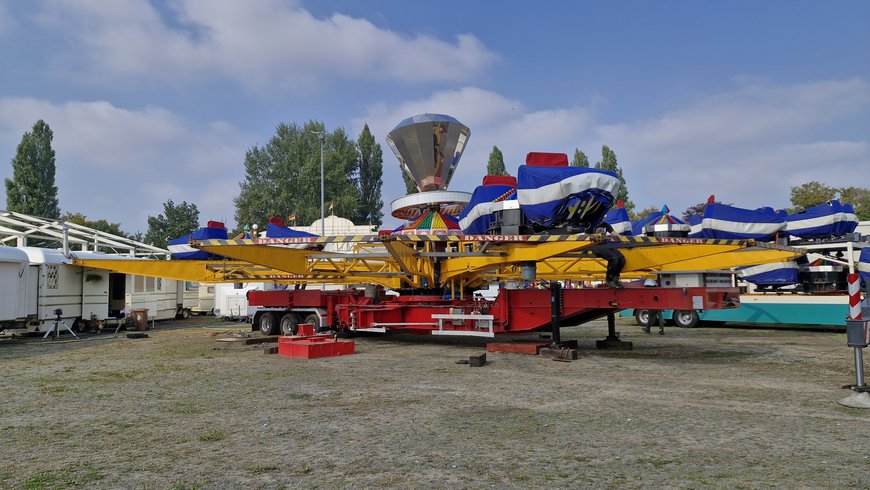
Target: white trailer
[[50, 282], [231, 299], [198, 299], [54, 283], [14, 277]]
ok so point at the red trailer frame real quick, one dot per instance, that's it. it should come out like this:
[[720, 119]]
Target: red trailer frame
[[513, 311]]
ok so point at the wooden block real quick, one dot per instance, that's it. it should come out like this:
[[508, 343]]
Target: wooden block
[[564, 354], [261, 340], [477, 360], [271, 349], [530, 347]]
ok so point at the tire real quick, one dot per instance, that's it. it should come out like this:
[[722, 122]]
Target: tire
[[185, 314], [686, 318], [268, 323], [315, 319], [641, 317], [289, 324]]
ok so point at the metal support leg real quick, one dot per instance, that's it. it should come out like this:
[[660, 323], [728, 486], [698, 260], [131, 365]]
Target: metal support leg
[[857, 336], [555, 312], [612, 341]]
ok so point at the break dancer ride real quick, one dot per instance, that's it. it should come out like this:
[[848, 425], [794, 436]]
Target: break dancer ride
[[535, 229]]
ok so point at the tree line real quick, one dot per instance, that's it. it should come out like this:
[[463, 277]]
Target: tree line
[[282, 178]]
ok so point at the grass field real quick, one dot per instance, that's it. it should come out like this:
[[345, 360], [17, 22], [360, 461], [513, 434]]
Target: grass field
[[694, 408]]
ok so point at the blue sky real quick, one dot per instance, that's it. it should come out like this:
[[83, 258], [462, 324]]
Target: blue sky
[[158, 100]]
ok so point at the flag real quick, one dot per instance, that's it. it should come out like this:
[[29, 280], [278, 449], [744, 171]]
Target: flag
[[292, 217], [331, 207]]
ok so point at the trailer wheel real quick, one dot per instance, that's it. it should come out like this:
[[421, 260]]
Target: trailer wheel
[[641, 317], [686, 318], [268, 323], [315, 320], [185, 314], [289, 324]]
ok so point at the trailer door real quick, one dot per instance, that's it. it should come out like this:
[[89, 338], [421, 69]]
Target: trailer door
[[95, 294]]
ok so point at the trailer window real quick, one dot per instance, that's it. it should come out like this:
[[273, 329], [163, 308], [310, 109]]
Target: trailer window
[[159, 284], [138, 284], [51, 277], [149, 284]]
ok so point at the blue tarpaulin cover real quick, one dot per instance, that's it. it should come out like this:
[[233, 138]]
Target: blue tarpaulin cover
[[553, 196], [618, 219], [777, 274], [721, 221], [864, 265], [827, 219], [477, 216], [694, 221], [181, 250], [275, 231]]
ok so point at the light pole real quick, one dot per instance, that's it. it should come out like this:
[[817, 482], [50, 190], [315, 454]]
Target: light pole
[[321, 136]]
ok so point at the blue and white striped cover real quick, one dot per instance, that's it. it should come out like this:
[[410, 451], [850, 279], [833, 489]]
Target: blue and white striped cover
[[477, 216], [551, 196], [181, 250], [722, 221], [864, 265], [618, 219], [776, 274], [694, 221], [826, 219], [637, 228]]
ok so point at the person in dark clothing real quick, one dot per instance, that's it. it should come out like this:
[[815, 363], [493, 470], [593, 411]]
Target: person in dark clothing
[[615, 259]]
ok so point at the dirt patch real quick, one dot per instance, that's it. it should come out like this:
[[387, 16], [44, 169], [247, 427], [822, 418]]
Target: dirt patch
[[693, 408]]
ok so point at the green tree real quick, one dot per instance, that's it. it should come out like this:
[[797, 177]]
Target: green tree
[[697, 209], [283, 176], [580, 159], [175, 221], [100, 224], [371, 169], [495, 164], [859, 198], [643, 213], [410, 184], [810, 194], [609, 162], [32, 189]]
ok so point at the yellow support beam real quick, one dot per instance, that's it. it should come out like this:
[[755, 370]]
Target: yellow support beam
[[290, 260], [181, 270]]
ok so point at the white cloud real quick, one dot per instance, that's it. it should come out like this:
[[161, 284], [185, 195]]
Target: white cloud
[[748, 145], [122, 164], [259, 44]]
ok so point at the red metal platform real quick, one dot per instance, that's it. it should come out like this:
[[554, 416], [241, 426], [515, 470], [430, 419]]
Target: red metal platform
[[311, 347]]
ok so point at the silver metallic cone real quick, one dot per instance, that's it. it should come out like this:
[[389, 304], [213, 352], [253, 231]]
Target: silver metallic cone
[[429, 147]]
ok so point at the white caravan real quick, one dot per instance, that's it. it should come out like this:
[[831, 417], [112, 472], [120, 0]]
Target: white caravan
[[51, 282], [14, 266], [198, 299]]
